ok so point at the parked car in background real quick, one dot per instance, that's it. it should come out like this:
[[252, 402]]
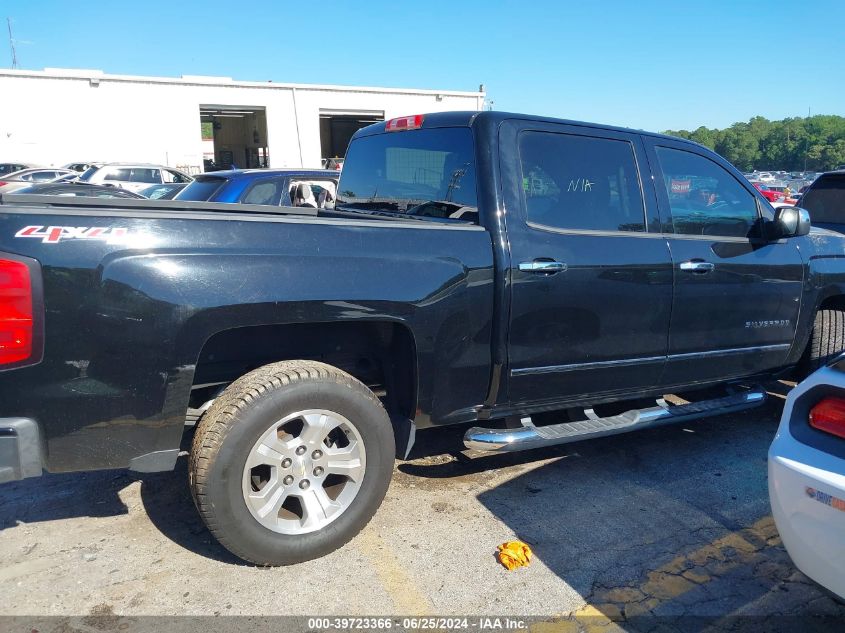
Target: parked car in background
[[81, 167], [769, 194], [25, 177], [164, 191], [78, 189], [68, 177], [787, 193], [133, 176], [275, 187], [764, 176], [825, 200], [8, 168], [807, 476]]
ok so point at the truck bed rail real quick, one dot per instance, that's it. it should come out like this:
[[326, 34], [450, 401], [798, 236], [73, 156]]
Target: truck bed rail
[[43, 201]]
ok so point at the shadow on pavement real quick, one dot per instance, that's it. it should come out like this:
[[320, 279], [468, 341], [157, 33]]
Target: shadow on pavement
[[672, 521], [165, 496], [62, 496], [168, 502]]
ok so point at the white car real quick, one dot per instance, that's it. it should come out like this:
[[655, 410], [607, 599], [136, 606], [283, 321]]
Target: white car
[[807, 476], [133, 176], [765, 176]]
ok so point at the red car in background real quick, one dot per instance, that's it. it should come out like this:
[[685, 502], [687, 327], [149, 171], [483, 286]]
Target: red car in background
[[768, 194]]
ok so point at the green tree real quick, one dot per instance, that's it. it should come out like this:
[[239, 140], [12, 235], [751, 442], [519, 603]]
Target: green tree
[[705, 136], [790, 144], [834, 155], [740, 147]]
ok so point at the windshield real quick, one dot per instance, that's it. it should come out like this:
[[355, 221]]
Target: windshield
[[420, 173], [201, 190], [825, 200]]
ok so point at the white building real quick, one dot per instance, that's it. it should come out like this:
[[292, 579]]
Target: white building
[[58, 116]]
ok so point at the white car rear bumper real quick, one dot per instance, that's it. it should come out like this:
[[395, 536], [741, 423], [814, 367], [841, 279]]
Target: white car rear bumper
[[808, 504]]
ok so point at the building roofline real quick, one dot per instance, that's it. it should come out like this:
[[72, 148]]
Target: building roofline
[[202, 80]]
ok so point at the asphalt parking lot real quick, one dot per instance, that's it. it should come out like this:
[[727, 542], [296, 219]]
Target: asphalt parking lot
[[672, 522]]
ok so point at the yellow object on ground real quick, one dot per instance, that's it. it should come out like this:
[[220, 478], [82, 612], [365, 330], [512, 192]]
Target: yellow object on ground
[[514, 554]]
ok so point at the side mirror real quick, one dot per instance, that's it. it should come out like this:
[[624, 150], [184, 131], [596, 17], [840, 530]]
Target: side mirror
[[789, 222]]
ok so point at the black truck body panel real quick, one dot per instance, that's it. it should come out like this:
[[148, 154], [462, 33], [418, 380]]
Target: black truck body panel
[[126, 320], [125, 326]]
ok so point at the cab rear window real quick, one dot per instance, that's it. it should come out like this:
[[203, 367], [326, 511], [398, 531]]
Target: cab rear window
[[427, 173], [201, 190]]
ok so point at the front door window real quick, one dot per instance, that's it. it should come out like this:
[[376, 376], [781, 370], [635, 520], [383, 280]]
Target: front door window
[[704, 198]]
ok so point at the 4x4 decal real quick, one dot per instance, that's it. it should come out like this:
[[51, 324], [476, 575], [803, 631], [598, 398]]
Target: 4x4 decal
[[55, 234]]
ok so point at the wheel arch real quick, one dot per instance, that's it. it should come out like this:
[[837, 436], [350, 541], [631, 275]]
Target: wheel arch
[[381, 353], [834, 299]]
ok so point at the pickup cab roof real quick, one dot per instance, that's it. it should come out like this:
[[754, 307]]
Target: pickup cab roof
[[470, 118]]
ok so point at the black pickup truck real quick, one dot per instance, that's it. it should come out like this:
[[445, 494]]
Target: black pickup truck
[[539, 278]]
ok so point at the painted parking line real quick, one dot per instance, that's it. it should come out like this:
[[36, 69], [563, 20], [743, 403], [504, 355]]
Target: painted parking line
[[687, 571], [398, 584], [667, 583]]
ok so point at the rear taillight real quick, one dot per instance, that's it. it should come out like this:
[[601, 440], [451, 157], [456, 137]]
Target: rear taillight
[[17, 327], [829, 416], [404, 123]]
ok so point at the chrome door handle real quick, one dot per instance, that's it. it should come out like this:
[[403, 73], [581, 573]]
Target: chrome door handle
[[697, 266], [542, 266]]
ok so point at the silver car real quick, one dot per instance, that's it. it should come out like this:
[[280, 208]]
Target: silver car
[[8, 168], [133, 176], [27, 177]]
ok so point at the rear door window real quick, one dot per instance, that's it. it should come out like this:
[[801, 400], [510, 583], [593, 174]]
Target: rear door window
[[148, 175], [580, 182], [323, 193], [42, 176], [265, 191], [118, 174], [169, 175]]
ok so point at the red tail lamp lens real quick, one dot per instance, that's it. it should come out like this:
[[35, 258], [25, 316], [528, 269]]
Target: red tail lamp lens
[[16, 318], [829, 416]]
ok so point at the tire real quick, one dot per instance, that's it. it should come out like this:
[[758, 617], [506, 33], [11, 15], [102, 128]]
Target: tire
[[827, 340], [257, 447]]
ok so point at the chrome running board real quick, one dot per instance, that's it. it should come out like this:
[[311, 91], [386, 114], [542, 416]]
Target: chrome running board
[[530, 436]]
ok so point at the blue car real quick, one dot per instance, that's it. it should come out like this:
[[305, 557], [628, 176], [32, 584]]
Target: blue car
[[315, 188]]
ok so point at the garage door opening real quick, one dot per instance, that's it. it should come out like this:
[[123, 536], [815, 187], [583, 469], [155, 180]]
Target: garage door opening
[[336, 130], [234, 137]]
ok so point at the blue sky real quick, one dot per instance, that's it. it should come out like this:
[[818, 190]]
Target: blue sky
[[646, 64]]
